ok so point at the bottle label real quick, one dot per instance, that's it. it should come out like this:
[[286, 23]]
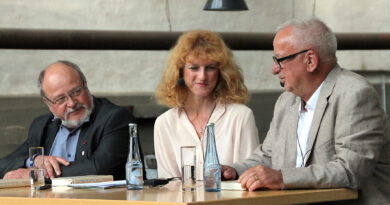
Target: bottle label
[[212, 178], [134, 174]]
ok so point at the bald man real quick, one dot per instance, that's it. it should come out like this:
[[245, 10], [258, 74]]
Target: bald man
[[82, 135]]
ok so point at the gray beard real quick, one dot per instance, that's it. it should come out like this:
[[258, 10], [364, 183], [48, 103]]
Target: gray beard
[[71, 124]]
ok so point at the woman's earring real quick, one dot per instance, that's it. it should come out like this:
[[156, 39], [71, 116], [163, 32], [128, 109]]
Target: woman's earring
[[180, 82]]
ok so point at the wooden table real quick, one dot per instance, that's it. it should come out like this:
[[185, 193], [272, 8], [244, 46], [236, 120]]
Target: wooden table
[[169, 194]]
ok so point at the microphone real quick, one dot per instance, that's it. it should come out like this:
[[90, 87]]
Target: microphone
[[57, 121], [158, 181]]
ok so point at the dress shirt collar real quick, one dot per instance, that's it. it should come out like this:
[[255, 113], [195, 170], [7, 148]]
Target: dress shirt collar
[[311, 103]]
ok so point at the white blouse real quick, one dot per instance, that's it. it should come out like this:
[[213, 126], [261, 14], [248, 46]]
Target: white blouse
[[236, 137]]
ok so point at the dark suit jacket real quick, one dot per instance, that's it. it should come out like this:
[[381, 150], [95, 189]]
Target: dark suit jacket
[[102, 147]]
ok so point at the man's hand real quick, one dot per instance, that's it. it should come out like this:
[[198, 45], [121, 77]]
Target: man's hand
[[52, 164], [261, 177], [17, 174], [228, 172]]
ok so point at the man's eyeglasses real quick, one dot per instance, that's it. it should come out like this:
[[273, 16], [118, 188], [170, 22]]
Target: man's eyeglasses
[[278, 60], [63, 98]]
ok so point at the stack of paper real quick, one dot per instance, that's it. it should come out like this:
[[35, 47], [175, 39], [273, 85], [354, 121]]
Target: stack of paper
[[101, 185], [231, 185], [64, 181]]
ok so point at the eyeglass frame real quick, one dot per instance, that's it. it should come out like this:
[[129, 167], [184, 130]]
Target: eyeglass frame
[[278, 60], [71, 94]]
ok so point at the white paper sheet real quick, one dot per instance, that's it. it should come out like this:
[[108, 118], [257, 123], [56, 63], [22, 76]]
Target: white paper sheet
[[101, 185]]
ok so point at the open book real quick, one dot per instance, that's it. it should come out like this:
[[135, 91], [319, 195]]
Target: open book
[[231, 185], [64, 181]]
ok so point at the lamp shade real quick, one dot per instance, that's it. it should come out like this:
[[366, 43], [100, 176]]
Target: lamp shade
[[225, 5]]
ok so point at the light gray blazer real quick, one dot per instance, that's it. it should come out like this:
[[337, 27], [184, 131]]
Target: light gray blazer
[[348, 144]]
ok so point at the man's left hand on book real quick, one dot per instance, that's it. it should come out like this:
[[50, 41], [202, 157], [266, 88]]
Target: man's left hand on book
[[261, 177], [52, 168], [17, 174]]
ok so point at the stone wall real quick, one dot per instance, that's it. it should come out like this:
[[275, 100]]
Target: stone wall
[[135, 72]]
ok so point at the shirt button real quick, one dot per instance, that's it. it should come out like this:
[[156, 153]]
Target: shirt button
[[69, 155]]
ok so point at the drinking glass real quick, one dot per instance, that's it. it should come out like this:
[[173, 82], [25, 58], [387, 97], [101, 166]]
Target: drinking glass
[[188, 162], [36, 172]]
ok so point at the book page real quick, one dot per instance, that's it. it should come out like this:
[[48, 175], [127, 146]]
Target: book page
[[231, 185]]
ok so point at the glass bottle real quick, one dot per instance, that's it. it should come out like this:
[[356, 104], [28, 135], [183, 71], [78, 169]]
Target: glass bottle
[[211, 167], [134, 173]]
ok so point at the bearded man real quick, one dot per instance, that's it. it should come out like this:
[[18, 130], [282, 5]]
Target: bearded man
[[82, 135]]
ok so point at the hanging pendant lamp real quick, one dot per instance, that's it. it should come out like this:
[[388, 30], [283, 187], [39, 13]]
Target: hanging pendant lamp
[[225, 5]]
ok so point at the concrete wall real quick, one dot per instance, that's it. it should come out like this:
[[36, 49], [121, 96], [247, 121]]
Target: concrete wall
[[123, 74]]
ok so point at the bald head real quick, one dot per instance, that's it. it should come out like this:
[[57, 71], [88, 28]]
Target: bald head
[[64, 91], [58, 70]]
